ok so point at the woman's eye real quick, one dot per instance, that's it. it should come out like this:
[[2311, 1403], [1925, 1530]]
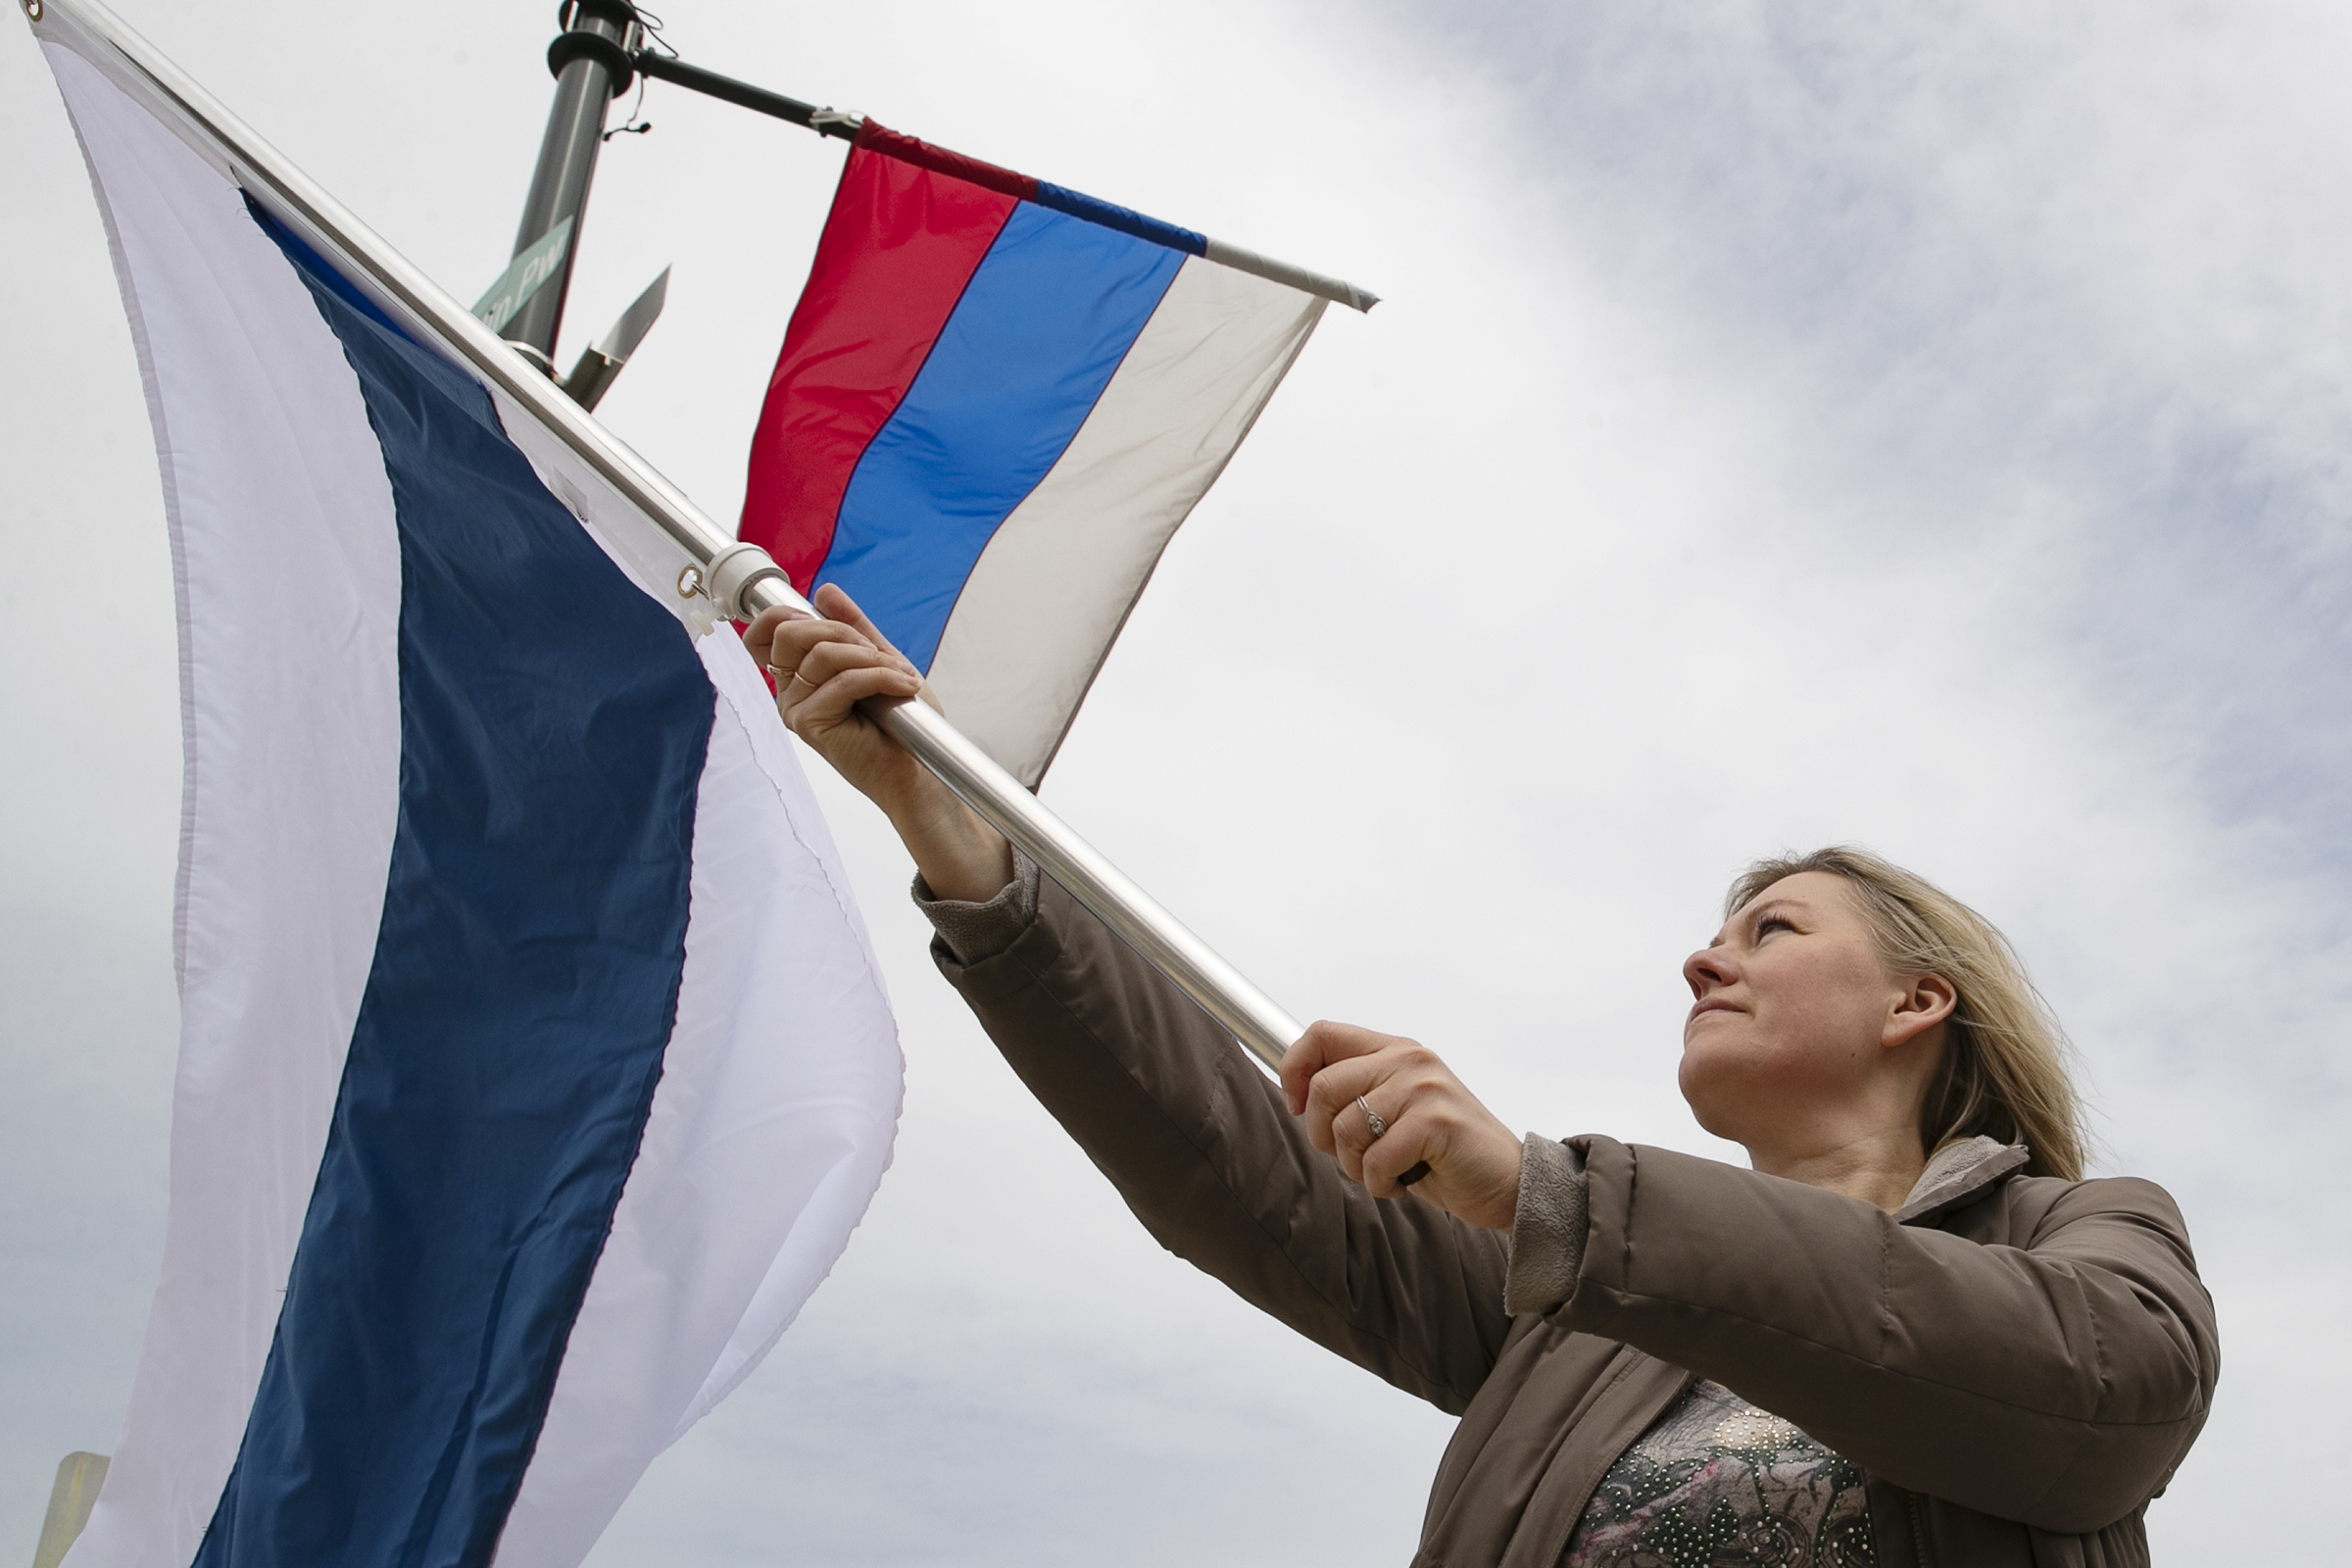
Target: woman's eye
[[1773, 923]]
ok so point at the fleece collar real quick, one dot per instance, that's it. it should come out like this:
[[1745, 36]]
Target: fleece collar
[[1957, 1173]]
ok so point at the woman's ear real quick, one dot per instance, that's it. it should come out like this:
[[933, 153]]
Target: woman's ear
[[1925, 1002]]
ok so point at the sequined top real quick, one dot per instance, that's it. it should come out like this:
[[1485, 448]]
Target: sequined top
[[1716, 1483]]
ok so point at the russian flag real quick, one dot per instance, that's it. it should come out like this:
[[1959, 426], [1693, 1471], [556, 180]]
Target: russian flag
[[534, 1064], [996, 401]]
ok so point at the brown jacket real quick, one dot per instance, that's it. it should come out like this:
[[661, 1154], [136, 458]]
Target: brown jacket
[[2019, 1363]]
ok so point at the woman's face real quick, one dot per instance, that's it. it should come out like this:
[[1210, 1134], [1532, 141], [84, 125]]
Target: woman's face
[[1797, 1029]]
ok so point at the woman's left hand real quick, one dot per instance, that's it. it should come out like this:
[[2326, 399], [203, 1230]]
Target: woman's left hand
[[1424, 1113]]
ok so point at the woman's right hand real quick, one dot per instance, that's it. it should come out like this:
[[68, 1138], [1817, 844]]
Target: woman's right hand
[[823, 670]]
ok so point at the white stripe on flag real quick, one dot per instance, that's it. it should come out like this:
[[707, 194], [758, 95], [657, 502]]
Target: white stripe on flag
[[289, 579], [1046, 597]]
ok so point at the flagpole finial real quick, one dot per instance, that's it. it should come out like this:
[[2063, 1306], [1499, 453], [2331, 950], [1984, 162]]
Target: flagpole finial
[[33, 8]]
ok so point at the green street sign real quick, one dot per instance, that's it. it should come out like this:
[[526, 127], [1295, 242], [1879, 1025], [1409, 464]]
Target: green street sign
[[524, 276]]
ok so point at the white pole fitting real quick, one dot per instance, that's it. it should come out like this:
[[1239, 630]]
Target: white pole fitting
[[732, 571]]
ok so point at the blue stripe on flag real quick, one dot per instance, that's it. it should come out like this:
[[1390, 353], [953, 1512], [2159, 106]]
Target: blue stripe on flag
[[1044, 322], [554, 722], [315, 269], [1126, 219]]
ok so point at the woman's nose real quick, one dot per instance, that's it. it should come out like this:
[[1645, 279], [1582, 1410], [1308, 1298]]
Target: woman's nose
[[1708, 969]]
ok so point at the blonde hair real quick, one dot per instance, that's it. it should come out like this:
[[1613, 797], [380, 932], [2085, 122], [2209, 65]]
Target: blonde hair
[[2004, 1070]]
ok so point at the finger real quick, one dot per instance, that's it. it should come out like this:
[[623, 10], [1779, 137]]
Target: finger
[[829, 660], [798, 673], [1402, 1143], [831, 704], [759, 637], [1359, 1128], [1323, 1044], [1299, 1065], [1413, 1140], [795, 639], [763, 625], [1388, 1114], [835, 601], [813, 637], [1334, 1121]]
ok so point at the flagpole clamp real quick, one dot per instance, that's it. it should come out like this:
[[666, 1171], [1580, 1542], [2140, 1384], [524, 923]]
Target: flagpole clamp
[[731, 573]]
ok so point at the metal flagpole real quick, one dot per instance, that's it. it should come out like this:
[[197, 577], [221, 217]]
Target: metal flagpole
[[739, 578]]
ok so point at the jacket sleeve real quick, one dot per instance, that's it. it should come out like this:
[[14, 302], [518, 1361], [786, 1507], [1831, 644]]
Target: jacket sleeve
[[1198, 1143], [2056, 1382]]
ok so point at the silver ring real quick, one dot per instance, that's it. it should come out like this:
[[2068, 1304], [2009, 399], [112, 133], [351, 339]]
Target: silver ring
[[1372, 1118]]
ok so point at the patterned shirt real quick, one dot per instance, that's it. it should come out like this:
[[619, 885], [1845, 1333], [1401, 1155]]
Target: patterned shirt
[[1716, 1483]]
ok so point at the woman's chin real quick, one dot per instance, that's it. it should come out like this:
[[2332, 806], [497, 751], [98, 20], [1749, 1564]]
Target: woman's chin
[[1719, 1089]]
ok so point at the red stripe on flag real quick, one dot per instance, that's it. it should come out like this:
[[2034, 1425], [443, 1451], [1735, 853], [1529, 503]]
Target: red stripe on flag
[[899, 245], [920, 153]]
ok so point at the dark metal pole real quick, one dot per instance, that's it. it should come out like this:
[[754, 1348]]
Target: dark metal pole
[[591, 61]]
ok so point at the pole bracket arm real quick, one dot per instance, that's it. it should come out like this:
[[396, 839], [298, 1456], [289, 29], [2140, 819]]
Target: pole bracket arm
[[726, 89]]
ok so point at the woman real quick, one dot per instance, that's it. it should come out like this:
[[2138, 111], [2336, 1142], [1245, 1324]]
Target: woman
[[1910, 1334]]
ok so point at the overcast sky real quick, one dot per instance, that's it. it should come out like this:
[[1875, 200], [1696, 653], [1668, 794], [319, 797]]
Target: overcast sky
[[1924, 427]]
